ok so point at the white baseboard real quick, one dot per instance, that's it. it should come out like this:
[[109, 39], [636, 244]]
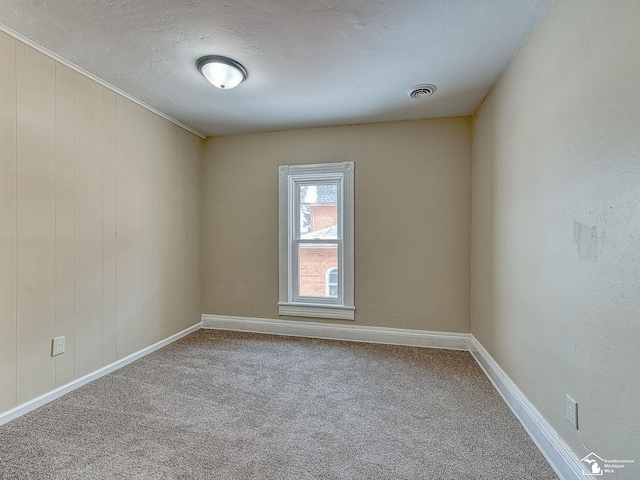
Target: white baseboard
[[565, 463], [334, 331], [58, 392]]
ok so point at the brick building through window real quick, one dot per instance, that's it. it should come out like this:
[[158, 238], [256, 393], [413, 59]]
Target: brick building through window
[[319, 263]]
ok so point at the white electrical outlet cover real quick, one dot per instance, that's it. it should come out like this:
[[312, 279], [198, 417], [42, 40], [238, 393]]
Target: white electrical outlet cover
[[57, 346]]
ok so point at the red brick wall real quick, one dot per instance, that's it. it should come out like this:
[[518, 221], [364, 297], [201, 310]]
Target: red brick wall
[[323, 216], [314, 264]]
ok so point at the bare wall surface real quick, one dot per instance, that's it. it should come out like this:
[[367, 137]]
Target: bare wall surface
[[100, 232], [412, 219], [556, 224]]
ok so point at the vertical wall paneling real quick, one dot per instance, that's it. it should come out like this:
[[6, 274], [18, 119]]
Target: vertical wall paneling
[[36, 195], [65, 222], [191, 256], [109, 229], [121, 237], [148, 165], [147, 259], [94, 225], [89, 254], [165, 214], [7, 222], [134, 227], [160, 154]]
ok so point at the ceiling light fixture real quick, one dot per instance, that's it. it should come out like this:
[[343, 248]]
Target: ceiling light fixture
[[222, 72]]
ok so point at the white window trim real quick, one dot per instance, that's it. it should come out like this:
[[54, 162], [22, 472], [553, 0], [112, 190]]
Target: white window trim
[[343, 307]]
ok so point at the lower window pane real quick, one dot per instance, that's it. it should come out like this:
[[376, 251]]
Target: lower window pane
[[318, 270]]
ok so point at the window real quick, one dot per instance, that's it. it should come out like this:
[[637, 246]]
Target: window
[[316, 240], [332, 282]]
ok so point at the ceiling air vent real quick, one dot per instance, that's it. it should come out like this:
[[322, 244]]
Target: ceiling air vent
[[421, 91]]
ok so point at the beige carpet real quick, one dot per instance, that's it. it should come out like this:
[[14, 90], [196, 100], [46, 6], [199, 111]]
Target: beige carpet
[[224, 405]]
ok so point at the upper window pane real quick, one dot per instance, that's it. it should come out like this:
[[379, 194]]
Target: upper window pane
[[318, 211]]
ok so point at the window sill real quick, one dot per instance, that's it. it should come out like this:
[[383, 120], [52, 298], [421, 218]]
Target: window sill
[[339, 312]]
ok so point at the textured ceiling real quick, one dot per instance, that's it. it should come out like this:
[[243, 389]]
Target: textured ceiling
[[310, 62]]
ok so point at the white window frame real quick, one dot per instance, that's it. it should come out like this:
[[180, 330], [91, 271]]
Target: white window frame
[[290, 302]]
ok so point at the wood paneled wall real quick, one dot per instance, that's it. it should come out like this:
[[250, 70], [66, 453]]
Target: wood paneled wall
[[100, 231]]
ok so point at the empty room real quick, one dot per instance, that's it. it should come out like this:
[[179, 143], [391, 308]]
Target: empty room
[[320, 240]]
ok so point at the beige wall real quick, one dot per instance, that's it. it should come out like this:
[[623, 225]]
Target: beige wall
[[412, 219], [99, 225], [556, 223]]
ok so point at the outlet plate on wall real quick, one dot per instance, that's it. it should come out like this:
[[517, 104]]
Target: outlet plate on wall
[[571, 411], [57, 346]]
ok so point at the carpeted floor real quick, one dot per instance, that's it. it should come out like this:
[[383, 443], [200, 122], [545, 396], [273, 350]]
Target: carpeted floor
[[225, 405]]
